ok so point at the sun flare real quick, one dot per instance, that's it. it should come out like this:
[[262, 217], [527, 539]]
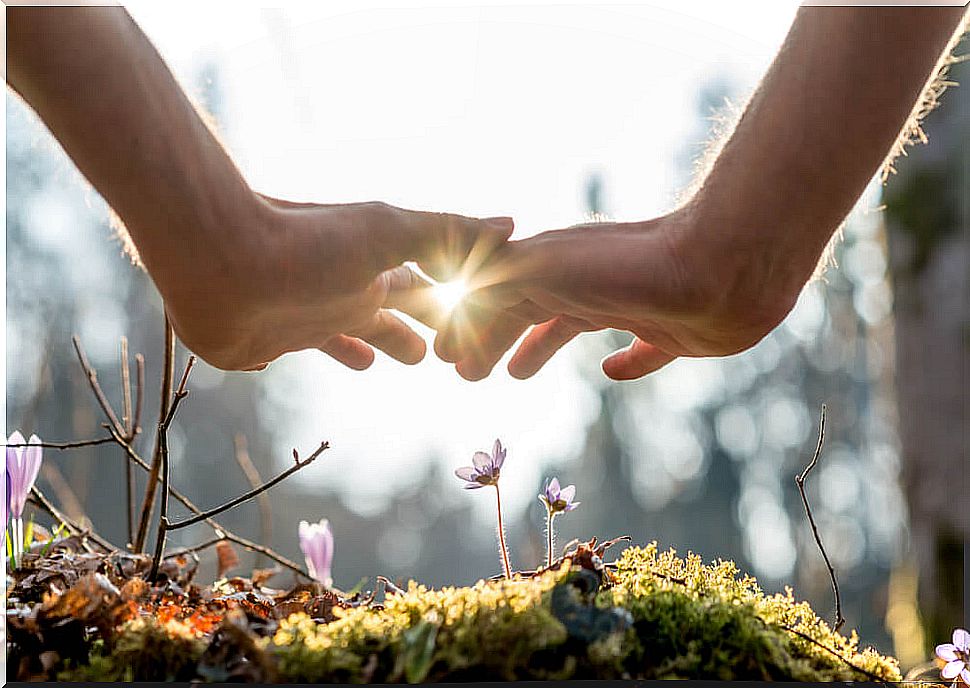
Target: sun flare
[[449, 294]]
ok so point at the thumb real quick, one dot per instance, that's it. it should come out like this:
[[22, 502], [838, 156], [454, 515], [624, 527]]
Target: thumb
[[442, 243]]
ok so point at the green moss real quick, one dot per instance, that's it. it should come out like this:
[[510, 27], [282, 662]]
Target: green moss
[[142, 651], [688, 621], [663, 617]]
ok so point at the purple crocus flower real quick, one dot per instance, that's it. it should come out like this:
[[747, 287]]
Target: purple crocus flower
[[559, 500], [957, 657], [486, 469], [6, 498], [316, 541], [23, 465]]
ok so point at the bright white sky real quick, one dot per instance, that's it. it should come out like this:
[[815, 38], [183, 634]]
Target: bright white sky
[[493, 109]]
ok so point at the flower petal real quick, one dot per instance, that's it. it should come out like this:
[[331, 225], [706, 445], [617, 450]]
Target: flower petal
[[498, 454], [482, 461], [33, 456], [553, 489], [946, 652], [473, 486], [952, 669], [961, 639], [965, 676], [568, 493], [572, 505], [466, 473]]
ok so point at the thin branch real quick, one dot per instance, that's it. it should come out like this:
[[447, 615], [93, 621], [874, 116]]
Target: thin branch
[[206, 544], [249, 469], [92, 376], [139, 395], [38, 498], [66, 445], [148, 501], [246, 496], [216, 526], [126, 388], [163, 524], [828, 649], [800, 481]]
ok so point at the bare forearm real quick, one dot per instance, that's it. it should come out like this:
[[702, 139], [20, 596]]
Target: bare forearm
[[103, 90], [816, 131]]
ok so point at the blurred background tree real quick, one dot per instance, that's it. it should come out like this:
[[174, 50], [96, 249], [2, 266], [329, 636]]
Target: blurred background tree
[[928, 218]]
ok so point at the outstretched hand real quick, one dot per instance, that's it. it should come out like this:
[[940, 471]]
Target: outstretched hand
[[321, 276], [656, 279]]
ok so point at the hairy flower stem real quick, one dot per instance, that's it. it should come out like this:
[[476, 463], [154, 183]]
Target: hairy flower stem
[[549, 534], [501, 535]]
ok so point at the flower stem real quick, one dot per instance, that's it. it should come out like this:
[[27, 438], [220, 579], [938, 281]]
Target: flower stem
[[549, 534], [17, 539], [501, 535]]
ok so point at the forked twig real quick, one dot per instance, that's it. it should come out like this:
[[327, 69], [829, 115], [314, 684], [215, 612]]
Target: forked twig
[[148, 501], [246, 496], [163, 524], [800, 481], [219, 528]]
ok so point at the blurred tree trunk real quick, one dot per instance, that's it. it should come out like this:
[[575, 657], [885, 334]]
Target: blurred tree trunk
[[928, 226]]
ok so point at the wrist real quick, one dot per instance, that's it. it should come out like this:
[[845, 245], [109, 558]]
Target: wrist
[[750, 278]]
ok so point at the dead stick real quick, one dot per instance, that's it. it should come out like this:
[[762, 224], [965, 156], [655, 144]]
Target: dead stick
[[125, 387], [40, 500], [825, 647], [249, 469], [148, 501], [800, 481], [92, 376], [139, 395], [246, 496], [163, 525], [219, 528], [65, 445]]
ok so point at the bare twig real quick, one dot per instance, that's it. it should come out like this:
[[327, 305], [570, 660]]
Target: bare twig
[[139, 395], [126, 388], [800, 481], [38, 498], [163, 524], [65, 445], [249, 469], [217, 527], [828, 649], [246, 496], [92, 376], [148, 501], [205, 544]]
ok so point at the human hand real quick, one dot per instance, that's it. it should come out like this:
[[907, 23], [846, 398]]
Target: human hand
[[669, 281], [302, 275]]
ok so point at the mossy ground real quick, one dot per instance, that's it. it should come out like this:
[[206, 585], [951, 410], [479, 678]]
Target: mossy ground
[[663, 616]]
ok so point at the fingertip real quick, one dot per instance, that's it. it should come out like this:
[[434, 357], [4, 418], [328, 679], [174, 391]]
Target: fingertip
[[502, 225], [417, 354], [519, 371], [471, 372]]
